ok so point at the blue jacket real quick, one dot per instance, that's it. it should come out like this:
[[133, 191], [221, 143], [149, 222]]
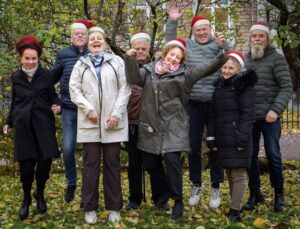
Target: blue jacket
[[64, 63]]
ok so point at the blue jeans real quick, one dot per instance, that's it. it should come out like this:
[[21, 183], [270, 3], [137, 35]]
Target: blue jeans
[[199, 116], [271, 133], [69, 129]]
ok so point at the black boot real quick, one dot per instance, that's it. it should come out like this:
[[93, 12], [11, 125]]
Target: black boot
[[234, 215], [177, 210], [253, 201], [70, 192], [279, 202], [24, 209], [39, 197]]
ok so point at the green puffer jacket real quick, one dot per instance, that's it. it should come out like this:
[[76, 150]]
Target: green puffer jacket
[[198, 53], [274, 85], [164, 125]]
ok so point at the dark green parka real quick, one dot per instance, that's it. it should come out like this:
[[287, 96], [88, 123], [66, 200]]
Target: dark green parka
[[274, 85], [164, 124]]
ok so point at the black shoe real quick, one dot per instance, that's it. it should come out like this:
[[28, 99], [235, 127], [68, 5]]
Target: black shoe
[[234, 215], [24, 209], [279, 202], [40, 202], [69, 193], [177, 210], [132, 205], [253, 201], [162, 203]]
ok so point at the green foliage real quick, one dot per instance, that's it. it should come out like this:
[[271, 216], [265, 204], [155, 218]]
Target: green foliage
[[63, 215]]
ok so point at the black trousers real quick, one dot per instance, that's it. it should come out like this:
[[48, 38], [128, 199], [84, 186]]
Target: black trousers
[[169, 179], [30, 168], [135, 169]]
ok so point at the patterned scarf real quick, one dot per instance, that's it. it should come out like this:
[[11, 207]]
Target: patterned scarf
[[97, 58], [162, 67]]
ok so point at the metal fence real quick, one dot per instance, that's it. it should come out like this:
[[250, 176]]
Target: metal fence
[[291, 116]]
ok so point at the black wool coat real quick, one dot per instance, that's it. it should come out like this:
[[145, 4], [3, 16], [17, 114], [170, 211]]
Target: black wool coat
[[232, 117], [31, 116]]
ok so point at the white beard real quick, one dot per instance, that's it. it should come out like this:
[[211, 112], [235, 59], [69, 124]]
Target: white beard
[[257, 51]]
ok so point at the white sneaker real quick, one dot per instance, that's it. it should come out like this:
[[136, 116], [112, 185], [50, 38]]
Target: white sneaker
[[215, 198], [114, 216], [90, 217], [195, 195]]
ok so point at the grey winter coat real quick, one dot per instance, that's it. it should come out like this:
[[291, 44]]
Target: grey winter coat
[[198, 53], [164, 124], [274, 86]]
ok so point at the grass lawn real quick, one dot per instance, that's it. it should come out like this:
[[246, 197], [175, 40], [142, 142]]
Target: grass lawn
[[63, 215]]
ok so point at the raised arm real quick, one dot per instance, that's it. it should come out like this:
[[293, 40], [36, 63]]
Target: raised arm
[[172, 23], [132, 71], [195, 72]]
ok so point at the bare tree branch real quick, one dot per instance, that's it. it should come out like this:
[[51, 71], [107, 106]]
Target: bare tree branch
[[86, 9]]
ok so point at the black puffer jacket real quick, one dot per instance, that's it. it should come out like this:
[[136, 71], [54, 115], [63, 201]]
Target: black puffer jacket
[[62, 69], [232, 118]]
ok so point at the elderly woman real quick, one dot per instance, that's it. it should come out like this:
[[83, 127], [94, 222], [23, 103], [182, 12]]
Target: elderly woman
[[163, 128], [31, 116], [99, 89], [230, 126]]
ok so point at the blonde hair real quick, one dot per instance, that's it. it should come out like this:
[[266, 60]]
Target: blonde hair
[[167, 49]]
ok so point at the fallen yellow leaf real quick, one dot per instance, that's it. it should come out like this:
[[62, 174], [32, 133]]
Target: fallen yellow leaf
[[260, 222], [133, 214]]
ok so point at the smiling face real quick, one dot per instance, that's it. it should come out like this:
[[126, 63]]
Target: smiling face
[[173, 56], [79, 38], [202, 33], [29, 59], [230, 68], [96, 42], [142, 47]]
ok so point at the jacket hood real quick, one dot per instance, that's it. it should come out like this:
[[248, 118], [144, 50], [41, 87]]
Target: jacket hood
[[240, 81]]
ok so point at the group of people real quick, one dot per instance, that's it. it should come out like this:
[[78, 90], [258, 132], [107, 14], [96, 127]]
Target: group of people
[[159, 109]]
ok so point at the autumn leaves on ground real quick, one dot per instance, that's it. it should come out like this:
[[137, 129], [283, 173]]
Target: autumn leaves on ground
[[63, 215]]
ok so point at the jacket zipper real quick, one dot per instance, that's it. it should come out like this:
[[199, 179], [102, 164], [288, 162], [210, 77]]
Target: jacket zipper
[[100, 101]]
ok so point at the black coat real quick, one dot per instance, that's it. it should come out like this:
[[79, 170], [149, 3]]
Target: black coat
[[31, 116], [232, 118]]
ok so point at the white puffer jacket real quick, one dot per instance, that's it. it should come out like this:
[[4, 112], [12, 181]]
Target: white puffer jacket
[[108, 96]]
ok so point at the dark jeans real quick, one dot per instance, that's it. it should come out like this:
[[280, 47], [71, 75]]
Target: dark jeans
[[111, 176], [69, 129], [199, 117], [168, 180], [271, 133]]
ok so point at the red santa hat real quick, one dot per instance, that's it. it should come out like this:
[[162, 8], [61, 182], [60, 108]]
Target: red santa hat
[[199, 20], [29, 41], [238, 56], [177, 41], [140, 35], [260, 25], [82, 24]]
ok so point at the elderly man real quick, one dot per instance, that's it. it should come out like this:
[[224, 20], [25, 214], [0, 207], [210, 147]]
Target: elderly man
[[273, 92], [140, 42], [63, 67], [202, 48]]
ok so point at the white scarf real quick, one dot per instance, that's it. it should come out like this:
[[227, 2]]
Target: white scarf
[[30, 72]]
